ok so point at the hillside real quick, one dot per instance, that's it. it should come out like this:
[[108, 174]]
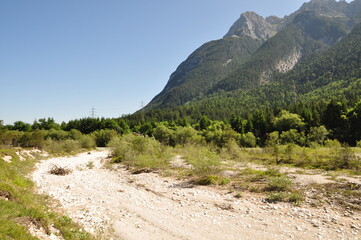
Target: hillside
[[268, 61], [204, 68]]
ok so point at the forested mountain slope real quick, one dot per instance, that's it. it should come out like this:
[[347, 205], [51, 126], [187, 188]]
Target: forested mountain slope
[[204, 68], [270, 62]]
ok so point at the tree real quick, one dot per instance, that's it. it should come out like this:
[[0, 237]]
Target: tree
[[21, 126], [354, 117], [292, 136], [335, 120], [248, 140], [164, 135], [318, 134], [204, 123], [238, 124], [286, 121], [45, 124]]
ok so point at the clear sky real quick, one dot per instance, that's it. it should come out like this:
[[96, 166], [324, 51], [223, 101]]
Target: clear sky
[[60, 58]]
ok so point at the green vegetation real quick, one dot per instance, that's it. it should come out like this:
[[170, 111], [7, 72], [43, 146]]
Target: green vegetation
[[227, 104], [19, 206], [205, 67]]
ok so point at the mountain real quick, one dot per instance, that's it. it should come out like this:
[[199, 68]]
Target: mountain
[[213, 61], [205, 67], [270, 61], [252, 25]]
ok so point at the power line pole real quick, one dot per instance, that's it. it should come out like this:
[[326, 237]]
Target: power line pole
[[92, 112]]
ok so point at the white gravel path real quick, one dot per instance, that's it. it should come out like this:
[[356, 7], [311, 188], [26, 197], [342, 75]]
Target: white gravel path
[[146, 206]]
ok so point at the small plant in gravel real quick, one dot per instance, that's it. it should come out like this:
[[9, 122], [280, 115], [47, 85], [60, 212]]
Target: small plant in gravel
[[276, 197], [293, 197], [90, 165], [296, 197], [213, 180], [238, 195], [279, 184], [59, 171]]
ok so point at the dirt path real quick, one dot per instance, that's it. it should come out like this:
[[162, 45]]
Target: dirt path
[[145, 206]]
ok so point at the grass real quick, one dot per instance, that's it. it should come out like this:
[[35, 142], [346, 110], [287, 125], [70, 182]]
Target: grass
[[19, 204], [327, 158], [211, 165]]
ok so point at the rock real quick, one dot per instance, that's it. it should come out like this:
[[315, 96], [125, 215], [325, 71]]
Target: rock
[[315, 223]]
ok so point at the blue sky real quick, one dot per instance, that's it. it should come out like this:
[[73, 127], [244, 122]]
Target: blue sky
[[60, 58]]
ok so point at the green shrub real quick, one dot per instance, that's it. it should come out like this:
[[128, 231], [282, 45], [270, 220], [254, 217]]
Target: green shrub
[[273, 139], [232, 151], [279, 184], [295, 197], [213, 180], [343, 158], [318, 134], [71, 146], [75, 134], [56, 135], [164, 135], [286, 121], [87, 141], [187, 135], [248, 140], [273, 172], [276, 197], [293, 136], [103, 137], [66, 146], [204, 161], [332, 143], [139, 151]]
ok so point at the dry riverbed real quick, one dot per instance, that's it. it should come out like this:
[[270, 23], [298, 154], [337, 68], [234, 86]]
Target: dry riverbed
[[115, 204]]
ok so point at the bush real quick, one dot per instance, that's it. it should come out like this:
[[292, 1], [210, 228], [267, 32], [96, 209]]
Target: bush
[[295, 197], [33, 139], [276, 197], [213, 180], [66, 146], [232, 150], [57, 135], [139, 151], [318, 134], [293, 136], [75, 134], [279, 184], [344, 158], [164, 135], [186, 135], [87, 141], [273, 139], [11, 138], [103, 137], [332, 143], [204, 161], [248, 140], [286, 121], [71, 146], [219, 134], [358, 144]]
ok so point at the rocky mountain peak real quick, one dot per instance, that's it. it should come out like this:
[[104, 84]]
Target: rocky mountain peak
[[330, 8], [253, 25]]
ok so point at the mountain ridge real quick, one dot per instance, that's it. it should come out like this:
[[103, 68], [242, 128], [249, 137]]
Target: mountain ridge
[[268, 48]]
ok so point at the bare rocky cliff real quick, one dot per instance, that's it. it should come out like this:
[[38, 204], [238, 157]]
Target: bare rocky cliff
[[253, 25]]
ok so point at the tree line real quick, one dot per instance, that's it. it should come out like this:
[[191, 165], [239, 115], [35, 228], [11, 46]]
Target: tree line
[[303, 124]]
